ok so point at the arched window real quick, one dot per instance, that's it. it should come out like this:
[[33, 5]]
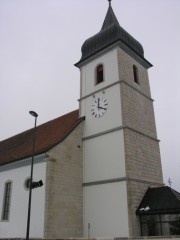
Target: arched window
[[135, 73], [7, 201], [99, 74]]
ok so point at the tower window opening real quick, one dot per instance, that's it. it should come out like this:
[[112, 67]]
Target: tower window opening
[[135, 73], [99, 74]]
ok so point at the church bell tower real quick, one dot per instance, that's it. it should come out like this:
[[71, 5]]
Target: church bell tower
[[121, 156]]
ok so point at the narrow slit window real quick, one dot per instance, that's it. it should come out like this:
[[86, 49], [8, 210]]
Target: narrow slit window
[[99, 74], [7, 200], [135, 73]]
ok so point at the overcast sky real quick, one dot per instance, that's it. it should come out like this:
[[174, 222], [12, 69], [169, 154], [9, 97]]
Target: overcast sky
[[40, 40]]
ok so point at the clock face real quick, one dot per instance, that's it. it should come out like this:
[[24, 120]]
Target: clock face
[[99, 107]]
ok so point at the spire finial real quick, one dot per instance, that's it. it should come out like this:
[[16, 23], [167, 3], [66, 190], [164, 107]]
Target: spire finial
[[109, 2], [170, 182]]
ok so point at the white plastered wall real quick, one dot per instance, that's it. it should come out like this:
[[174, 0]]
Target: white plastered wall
[[106, 211], [104, 157], [15, 227]]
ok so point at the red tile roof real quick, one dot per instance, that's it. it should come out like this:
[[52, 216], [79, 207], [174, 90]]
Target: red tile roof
[[48, 135]]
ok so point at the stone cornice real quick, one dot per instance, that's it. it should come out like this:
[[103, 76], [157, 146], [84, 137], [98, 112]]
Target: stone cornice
[[117, 129]]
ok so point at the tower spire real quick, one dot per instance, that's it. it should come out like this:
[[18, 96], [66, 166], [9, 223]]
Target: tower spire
[[111, 32], [110, 17]]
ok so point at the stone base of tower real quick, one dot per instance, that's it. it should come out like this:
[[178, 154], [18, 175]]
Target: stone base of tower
[[143, 169]]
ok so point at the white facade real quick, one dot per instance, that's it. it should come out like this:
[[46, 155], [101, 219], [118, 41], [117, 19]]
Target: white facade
[[106, 210], [16, 225], [104, 157], [105, 192]]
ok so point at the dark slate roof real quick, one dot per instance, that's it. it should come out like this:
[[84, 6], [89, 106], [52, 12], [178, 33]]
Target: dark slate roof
[[48, 135], [110, 33], [161, 200]]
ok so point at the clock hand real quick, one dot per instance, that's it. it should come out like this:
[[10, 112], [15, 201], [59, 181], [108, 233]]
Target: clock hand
[[102, 108], [98, 103]]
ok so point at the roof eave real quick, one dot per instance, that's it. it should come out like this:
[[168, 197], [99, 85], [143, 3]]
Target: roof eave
[[158, 211], [123, 46]]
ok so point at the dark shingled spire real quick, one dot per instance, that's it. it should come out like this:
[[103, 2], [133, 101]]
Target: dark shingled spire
[[110, 18], [110, 34]]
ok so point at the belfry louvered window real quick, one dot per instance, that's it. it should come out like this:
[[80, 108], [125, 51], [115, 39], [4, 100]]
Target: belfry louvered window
[[99, 74], [135, 73]]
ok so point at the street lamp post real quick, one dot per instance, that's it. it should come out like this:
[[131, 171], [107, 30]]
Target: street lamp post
[[34, 114]]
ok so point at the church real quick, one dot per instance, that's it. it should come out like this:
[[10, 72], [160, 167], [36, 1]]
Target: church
[[99, 166]]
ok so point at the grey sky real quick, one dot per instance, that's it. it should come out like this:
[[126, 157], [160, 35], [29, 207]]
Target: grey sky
[[40, 40]]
